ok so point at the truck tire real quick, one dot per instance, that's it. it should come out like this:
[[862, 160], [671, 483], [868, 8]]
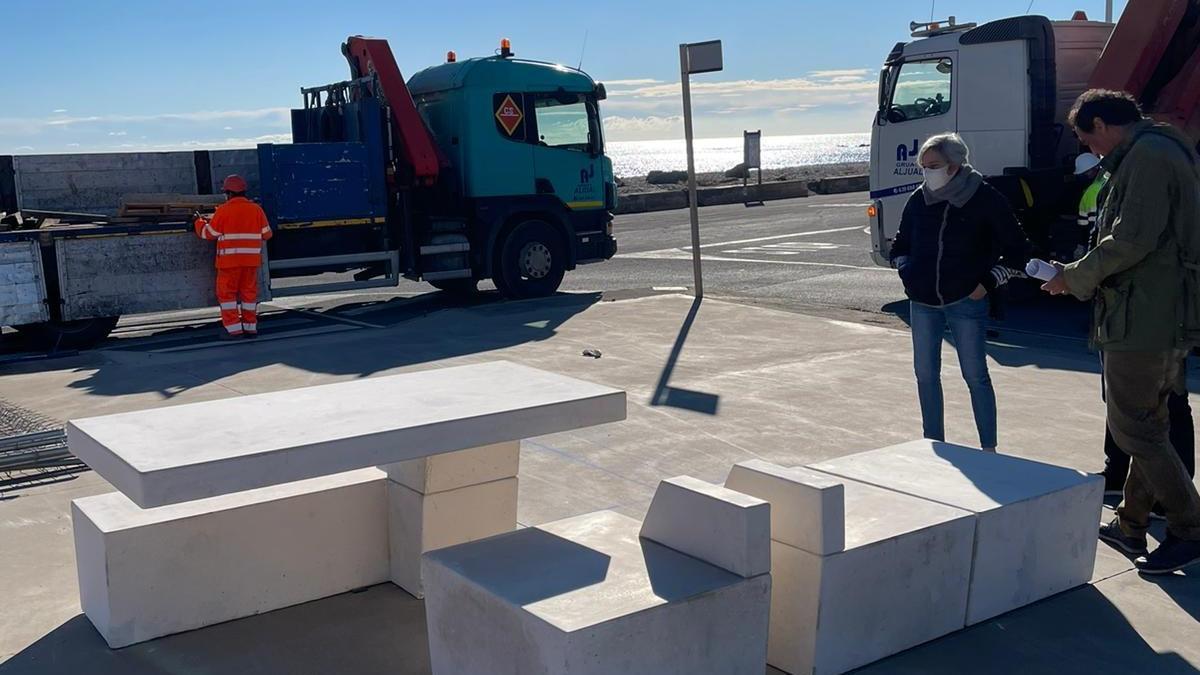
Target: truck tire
[[57, 335], [531, 261], [459, 287]]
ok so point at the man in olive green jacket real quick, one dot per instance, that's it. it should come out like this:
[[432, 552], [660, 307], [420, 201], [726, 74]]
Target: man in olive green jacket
[[1150, 209]]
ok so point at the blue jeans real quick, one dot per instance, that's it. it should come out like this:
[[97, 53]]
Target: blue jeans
[[967, 319]]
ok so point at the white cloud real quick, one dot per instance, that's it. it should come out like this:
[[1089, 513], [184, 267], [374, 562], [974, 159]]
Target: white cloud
[[59, 111], [227, 128], [630, 83], [856, 73], [72, 145], [231, 143], [118, 133], [797, 85], [23, 148], [618, 128], [777, 104], [278, 114]]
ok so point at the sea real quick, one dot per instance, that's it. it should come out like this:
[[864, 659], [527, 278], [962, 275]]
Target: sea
[[638, 158]]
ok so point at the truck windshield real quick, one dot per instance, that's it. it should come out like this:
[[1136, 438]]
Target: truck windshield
[[921, 89], [568, 121]]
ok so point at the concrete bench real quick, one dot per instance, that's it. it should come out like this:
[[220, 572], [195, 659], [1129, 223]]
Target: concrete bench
[[1035, 523], [245, 485], [687, 591], [858, 572]]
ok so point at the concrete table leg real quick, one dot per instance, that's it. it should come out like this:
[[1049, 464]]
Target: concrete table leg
[[448, 499]]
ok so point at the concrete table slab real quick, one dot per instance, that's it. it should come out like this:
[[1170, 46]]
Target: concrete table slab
[[1035, 532], [181, 453]]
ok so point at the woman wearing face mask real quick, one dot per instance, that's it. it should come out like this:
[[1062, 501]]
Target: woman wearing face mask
[[958, 241]]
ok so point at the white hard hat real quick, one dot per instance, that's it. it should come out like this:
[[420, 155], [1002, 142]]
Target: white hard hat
[[1086, 162]]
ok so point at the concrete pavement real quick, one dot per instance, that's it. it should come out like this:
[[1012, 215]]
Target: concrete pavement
[[708, 385]]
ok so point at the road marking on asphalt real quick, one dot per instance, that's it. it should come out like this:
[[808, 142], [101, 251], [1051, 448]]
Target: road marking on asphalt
[[838, 206], [774, 237], [808, 263], [787, 248], [680, 254]]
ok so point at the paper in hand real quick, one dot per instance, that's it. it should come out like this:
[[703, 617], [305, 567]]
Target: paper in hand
[[1040, 269]]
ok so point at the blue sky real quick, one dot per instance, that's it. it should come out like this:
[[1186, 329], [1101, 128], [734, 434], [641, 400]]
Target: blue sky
[[89, 76]]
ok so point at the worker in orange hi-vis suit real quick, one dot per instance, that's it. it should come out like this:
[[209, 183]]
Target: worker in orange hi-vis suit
[[239, 227]]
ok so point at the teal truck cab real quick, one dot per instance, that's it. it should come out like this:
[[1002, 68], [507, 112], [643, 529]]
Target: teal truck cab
[[525, 151]]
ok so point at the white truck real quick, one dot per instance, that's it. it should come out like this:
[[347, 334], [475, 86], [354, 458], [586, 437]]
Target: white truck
[[1006, 86]]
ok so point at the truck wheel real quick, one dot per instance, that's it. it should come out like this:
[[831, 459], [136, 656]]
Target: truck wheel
[[532, 261], [463, 287], [80, 334]]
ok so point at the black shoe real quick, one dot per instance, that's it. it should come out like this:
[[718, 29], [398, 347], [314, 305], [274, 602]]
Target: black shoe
[[1173, 554], [1114, 485], [250, 335], [1113, 535], [226, 335]]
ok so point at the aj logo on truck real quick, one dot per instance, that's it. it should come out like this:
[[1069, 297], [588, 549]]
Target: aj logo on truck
[[586, 189], [904, 165]]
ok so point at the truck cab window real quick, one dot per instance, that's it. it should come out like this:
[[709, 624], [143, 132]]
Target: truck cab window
[[922, 89], [565, 121]]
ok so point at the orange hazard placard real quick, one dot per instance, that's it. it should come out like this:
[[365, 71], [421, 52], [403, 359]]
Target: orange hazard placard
[[509, 114]]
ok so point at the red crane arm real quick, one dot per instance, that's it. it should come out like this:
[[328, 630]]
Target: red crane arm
[[373, 55]]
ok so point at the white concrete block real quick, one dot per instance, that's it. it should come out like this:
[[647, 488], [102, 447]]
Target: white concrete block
[[179, 453], [588, 596], [902, 580], [713, 523], [1035, 529], [423, 522], [145, 573], [808, 508], [452, 470]]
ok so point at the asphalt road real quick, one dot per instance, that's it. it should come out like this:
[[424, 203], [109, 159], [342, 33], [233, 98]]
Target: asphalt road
[[798, 253], [809, 255]]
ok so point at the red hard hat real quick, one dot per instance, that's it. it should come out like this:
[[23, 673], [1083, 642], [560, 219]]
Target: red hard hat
[[234, 183]]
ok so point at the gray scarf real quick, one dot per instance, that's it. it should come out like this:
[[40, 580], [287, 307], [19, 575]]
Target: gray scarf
[[958, 191]]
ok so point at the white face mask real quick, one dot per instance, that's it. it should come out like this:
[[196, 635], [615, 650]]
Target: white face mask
[[936, 179]]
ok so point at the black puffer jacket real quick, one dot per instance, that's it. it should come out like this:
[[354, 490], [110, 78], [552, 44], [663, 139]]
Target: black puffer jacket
[[943, 252]]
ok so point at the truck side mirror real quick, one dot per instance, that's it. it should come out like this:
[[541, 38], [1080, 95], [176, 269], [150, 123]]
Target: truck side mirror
[[601, 92]]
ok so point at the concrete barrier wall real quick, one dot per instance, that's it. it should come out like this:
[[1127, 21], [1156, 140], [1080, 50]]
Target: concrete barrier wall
[[242, 162], [94, 183], [841, 184], [678, 199]]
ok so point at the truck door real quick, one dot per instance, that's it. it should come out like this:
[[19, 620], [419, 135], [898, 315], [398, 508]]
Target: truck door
[[567, 154], [917, 100]]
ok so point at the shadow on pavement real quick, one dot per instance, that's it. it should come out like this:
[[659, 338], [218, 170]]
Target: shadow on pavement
[[1042, 332], [378, 630], [675, 397], [1183, 587], [439, 331], [1079, 631]]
